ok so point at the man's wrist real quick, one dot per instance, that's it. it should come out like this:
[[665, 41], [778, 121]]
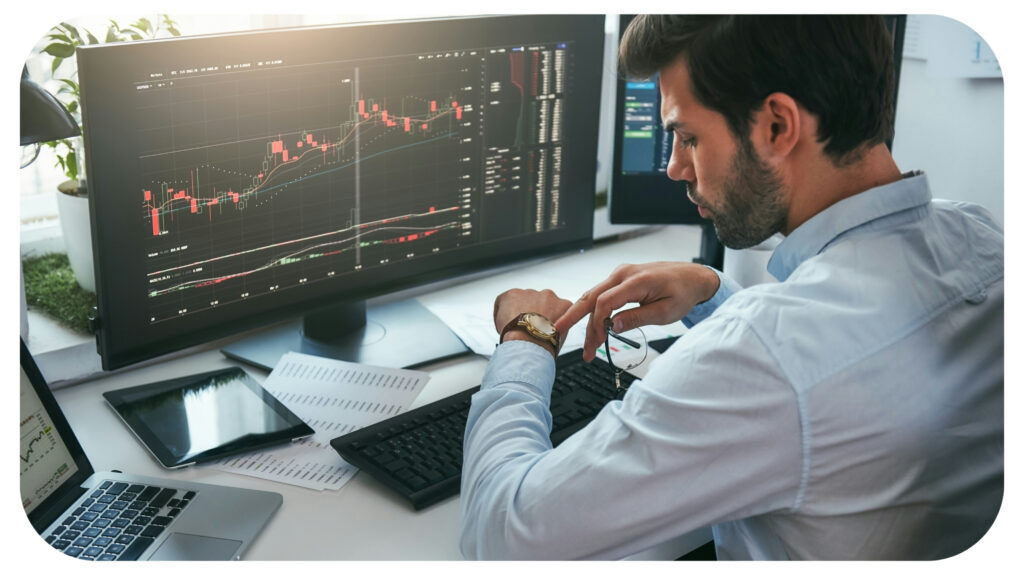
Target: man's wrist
[[520, 335], [712, 283]]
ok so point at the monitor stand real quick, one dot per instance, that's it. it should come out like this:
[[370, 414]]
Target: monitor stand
[[712, 252], [400, 334]]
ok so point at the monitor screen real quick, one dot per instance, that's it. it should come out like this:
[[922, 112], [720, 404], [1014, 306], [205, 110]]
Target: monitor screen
[[641, 192], [240, 179]]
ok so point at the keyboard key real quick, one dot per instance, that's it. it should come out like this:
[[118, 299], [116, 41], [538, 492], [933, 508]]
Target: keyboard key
[[133, 529], [101, 523], [136, 549], [115, 548], [89, 516], [125, 539], [102, 541], [106, 557], [60, 529], [71, 534], [80, 525], [105, 485], [93, 552], [117, 488], [162, 520], [135, 488], [73, 551], [111, 532], [60, 544], [120, 522], [106, 499], [148, 493], [152, 531], [188, 496], [91, 532], [83, 541], [163, 497]]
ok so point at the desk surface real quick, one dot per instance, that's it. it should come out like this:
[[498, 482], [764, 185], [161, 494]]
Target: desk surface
[[363, 520]]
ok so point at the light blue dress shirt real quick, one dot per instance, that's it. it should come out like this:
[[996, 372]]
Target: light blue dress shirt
[[854, 410]]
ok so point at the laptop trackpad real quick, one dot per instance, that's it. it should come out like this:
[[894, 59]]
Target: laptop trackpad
[[185, 546]]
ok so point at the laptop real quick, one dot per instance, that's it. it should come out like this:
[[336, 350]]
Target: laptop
[[108, 516]]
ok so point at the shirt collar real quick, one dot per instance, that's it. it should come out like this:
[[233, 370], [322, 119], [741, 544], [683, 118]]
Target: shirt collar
[[811, 238]]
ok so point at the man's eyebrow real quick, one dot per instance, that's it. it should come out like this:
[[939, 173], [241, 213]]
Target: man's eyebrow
[[672, 125]]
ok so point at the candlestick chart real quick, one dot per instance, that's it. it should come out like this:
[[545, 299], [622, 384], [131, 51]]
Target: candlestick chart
[[271, 179]]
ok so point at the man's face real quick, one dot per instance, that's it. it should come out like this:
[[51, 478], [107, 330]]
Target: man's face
[[726, 178]]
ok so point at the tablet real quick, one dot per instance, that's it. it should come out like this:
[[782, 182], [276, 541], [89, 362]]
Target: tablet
[[205, 416]]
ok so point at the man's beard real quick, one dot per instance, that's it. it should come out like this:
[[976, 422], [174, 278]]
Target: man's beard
[[752, 209]]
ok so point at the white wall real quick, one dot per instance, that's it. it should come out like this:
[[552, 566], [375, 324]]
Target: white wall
[[952, 128]]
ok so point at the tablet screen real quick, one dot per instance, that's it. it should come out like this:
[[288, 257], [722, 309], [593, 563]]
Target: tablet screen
[[205, 416]]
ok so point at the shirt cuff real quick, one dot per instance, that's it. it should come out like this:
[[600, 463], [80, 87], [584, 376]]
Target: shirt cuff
[[522, 362], [726, 287]]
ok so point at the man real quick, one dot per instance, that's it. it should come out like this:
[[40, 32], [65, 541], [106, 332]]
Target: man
[[854, 410]]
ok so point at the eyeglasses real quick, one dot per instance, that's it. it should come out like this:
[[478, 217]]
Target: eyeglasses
[[635, 339]]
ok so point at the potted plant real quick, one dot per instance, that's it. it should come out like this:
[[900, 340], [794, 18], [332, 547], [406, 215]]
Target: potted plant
[[72, 195]]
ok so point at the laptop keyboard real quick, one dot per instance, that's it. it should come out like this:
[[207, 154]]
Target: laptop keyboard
[[118, 521]]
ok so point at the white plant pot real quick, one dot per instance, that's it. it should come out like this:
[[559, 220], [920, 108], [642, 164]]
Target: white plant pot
[[74, 224]]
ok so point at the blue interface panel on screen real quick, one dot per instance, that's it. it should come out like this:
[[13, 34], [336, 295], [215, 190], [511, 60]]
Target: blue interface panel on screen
[[245, 180]]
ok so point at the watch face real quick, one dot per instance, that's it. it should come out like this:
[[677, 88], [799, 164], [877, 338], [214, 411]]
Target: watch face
[[540, 323]]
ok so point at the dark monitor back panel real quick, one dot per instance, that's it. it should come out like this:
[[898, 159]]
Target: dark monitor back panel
[[243, 179]]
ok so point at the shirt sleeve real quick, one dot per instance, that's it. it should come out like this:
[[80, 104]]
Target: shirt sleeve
[[726, 287], [711, 434]]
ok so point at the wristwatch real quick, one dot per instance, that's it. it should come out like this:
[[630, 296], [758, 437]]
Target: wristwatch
[[537, 326]]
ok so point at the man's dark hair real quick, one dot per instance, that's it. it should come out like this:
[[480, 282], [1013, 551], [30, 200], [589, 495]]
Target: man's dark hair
[[838, 67]]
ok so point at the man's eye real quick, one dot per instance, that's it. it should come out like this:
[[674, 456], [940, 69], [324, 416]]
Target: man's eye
[[686, 143]]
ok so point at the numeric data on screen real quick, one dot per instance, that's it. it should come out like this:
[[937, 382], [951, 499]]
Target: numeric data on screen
[[263, 175]]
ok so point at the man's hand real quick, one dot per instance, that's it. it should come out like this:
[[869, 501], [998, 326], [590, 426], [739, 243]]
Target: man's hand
[[666, 292], [516, 301]]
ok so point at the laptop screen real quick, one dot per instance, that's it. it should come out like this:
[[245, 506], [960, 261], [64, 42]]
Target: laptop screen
[[46, 462]]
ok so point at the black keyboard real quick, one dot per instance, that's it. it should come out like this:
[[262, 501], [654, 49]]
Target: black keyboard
[[419, 453], [118, 521]]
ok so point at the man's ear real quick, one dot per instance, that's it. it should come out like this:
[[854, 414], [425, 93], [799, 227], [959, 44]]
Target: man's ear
[[777, 126]]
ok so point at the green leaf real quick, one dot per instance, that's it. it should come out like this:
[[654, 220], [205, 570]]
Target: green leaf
[[144, 25], [92, 39], [72, 31], [73, 106], [58, 50], [135, 36], [70, 84], [72, 166], [55, 65], [62, 37], [112, 33]]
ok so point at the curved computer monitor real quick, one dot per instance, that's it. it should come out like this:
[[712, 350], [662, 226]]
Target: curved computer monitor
[[241, 180], [641, 192]]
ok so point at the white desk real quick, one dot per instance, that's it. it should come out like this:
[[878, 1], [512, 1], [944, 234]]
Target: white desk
[[363, 520]]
